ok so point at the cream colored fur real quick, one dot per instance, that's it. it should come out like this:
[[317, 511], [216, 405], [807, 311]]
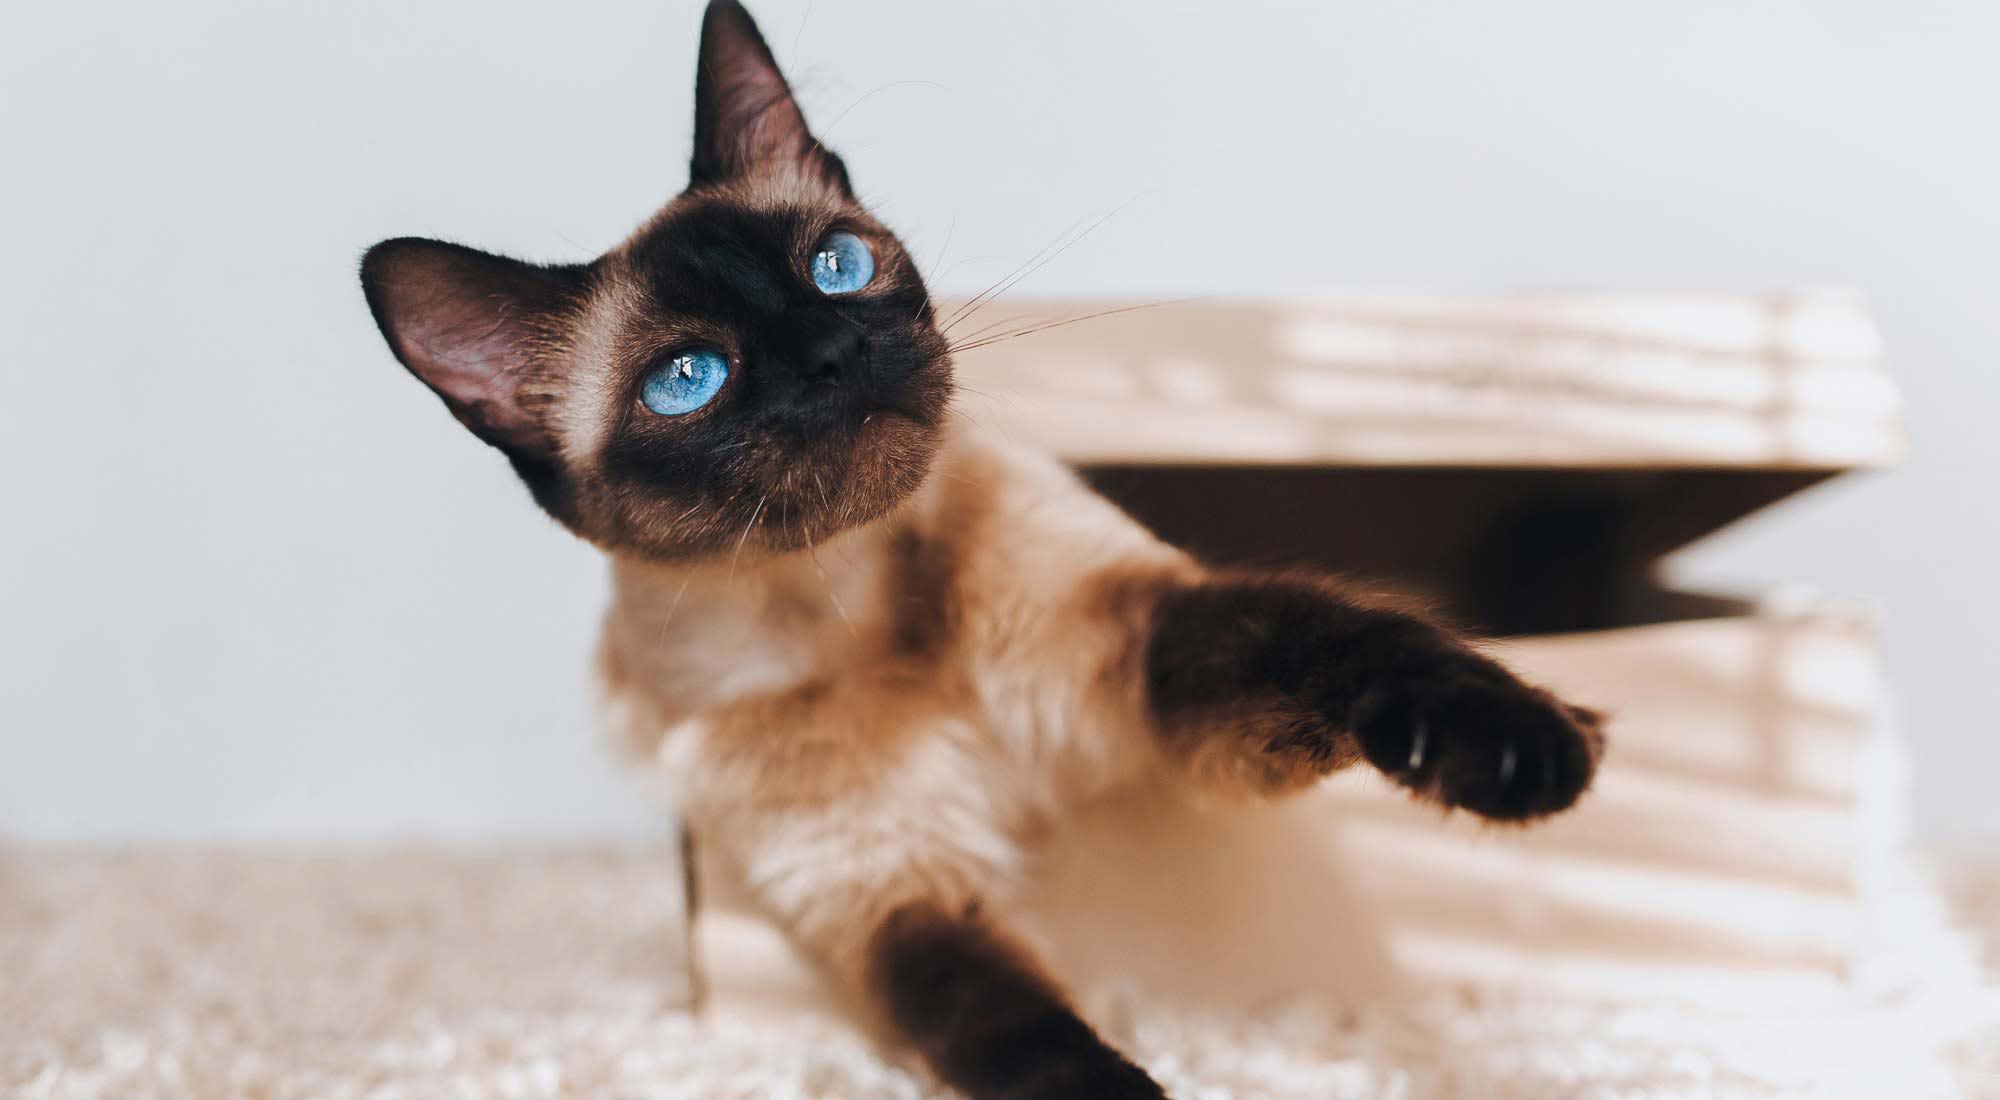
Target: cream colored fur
[[842, 777]]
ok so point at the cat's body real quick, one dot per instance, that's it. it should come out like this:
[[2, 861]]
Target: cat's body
[[879, 652], [915, 698]]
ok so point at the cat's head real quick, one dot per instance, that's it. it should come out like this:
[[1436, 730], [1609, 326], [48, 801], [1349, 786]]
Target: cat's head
[[757, 365]]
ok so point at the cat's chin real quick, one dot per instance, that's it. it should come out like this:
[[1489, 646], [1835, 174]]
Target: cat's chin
[[888, 458], [844, 480]]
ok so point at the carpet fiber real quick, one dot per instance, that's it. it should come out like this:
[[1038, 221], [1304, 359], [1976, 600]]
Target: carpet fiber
[[418, 974]]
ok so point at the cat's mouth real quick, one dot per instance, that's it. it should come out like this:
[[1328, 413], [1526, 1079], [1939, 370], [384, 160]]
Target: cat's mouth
[[888, 455], [881, 417], [878, 418], [887, 431]]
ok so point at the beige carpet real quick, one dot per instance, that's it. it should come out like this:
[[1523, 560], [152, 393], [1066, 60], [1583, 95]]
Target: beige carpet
[[412, 974]]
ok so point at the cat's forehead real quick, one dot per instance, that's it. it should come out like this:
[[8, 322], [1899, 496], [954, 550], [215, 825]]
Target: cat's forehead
[[731, 248]]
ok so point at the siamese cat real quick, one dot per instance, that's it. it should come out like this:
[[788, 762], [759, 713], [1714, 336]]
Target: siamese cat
[[877, 652]]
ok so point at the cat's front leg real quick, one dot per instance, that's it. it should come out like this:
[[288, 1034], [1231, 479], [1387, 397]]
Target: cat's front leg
[[1268, 681], [872, 824]]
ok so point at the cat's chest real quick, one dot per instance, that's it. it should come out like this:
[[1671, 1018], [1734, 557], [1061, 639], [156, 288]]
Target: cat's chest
[[721, 661], [706, 641]]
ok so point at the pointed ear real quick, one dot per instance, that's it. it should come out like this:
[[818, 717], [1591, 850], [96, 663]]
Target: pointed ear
[[744, 113], [466, 323]]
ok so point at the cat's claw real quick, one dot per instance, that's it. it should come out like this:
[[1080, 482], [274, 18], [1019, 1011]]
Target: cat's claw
[[1496, 747]]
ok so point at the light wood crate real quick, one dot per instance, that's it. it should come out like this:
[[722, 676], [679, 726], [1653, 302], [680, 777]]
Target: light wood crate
[[1528, 460]]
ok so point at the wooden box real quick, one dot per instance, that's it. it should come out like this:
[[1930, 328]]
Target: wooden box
[[1527, 461]]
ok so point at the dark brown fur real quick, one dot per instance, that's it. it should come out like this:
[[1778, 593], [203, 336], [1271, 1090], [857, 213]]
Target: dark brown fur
[[986, 1018], [926, 594]]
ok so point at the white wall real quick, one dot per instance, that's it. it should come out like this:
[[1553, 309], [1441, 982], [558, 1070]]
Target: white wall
[[254, 582]]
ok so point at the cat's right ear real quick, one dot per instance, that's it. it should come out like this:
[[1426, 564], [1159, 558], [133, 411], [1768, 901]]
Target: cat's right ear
[[744, 115], [468, 324]]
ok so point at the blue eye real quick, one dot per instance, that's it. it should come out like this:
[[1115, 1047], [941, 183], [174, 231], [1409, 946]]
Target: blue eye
[[685, 382], [842, 264]]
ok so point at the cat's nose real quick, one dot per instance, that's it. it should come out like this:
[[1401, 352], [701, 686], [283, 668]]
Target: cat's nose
[[838, 356]]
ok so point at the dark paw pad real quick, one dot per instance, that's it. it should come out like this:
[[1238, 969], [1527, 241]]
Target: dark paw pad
[[1493, 746]]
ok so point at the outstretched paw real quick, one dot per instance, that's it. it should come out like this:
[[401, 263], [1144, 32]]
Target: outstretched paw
[[1482, 741]]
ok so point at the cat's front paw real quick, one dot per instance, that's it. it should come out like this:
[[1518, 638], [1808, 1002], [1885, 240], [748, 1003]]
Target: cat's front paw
[[1482, 741]]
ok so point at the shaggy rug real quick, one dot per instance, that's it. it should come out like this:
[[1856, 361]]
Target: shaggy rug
[[418, 974]]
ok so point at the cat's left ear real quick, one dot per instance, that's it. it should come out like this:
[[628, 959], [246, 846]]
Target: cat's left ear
[[745, 118], [468, 324]]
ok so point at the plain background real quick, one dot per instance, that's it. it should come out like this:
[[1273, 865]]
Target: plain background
[[255, 583]]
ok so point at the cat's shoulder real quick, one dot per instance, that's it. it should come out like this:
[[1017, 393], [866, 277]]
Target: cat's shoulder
[[976, 452], [1001, 497], [981, 475]]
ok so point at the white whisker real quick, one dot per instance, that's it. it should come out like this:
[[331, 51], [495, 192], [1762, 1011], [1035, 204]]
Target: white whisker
[[756, 512]]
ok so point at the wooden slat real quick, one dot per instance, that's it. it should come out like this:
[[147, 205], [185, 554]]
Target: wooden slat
[[1718, 855], [1788, 380]]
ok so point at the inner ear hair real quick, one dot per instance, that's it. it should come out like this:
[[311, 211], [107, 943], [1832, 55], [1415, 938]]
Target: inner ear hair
[[469, 325]]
